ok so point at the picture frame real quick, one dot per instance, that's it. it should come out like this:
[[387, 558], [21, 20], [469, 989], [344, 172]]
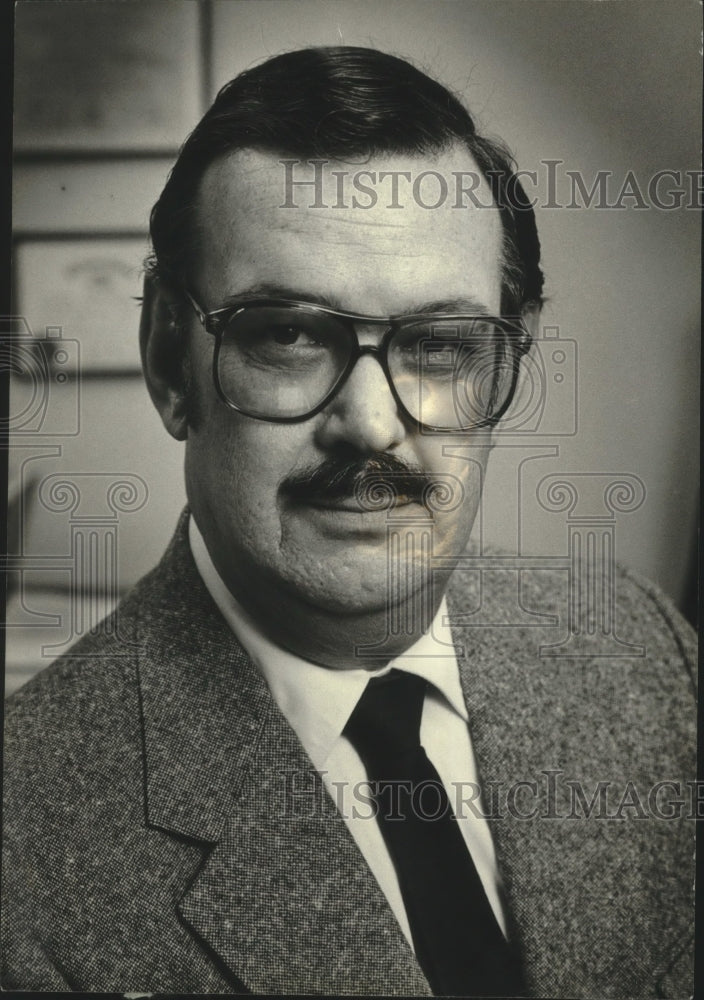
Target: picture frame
[[106, 77], [88, 288]]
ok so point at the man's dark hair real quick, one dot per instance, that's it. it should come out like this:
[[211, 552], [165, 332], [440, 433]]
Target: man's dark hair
[[340, 103]]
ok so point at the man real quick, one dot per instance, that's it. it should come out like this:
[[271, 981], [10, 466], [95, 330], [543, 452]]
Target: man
[[224, 790]]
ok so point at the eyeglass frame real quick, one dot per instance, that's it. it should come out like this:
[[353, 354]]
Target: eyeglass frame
[[215, 322]]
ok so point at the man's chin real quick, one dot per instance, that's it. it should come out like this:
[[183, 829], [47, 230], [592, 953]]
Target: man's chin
[[368, 586]]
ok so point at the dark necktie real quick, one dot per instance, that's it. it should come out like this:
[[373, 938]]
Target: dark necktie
[[457, 940]]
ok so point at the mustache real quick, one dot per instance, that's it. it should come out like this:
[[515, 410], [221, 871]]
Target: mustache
[[366, 479]]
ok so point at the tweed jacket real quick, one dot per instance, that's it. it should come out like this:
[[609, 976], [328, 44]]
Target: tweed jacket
[[154, 841]]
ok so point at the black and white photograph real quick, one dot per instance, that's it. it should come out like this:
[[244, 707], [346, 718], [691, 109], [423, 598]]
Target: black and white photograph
[[352, 448]]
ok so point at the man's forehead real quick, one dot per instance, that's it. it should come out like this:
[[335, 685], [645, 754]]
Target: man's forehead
[[427, 215]]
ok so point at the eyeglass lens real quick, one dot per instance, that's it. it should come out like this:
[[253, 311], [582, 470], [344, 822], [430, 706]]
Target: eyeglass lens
[[279, 362]]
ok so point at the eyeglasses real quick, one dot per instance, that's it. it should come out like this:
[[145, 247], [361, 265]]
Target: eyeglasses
[[283, 361]]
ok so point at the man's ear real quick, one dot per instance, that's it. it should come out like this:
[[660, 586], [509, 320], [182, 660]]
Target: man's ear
[[531, 317], [163, 358]]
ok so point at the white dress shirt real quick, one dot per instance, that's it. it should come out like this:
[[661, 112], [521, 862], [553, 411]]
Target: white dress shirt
[[317, 701]]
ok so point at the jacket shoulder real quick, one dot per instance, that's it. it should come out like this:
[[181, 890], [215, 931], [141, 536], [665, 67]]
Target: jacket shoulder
[[79, 714], [668, 631], [504, 607]]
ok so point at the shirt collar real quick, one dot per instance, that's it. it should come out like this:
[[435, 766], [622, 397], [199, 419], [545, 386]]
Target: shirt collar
[[317, 701]]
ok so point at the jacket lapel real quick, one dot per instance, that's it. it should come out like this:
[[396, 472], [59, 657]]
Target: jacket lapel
[[287, 900], [284, 897]]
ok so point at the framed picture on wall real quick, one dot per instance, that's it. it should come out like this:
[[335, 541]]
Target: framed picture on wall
[[106, 77], [89, 288]]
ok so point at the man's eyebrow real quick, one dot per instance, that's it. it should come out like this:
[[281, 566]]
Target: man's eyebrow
[[271, 290], [465, 304]]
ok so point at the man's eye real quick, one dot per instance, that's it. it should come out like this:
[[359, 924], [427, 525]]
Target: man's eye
[[412, 345], [289, 336]]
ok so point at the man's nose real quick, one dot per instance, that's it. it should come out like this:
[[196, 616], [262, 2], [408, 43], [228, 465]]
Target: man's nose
[[364, 413]]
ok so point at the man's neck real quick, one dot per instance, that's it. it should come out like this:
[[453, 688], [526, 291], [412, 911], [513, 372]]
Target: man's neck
[[367, 640]]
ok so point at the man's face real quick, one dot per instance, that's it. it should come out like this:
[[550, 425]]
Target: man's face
[[376, 261]]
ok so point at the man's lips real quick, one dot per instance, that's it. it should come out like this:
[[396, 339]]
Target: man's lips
[[353, 506]]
